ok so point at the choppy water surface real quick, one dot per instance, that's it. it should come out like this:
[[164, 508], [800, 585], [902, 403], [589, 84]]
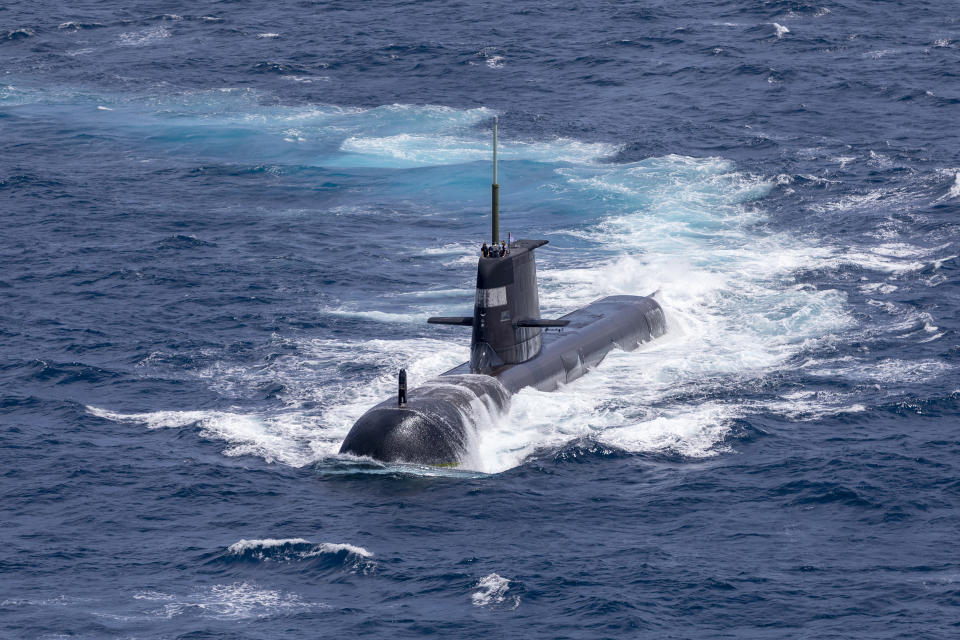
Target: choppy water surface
[[226, 223]]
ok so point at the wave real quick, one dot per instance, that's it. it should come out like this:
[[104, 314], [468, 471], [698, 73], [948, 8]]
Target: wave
[[953, 191], [19, 34], [292, 548], [79, 26], [284, 438], [492, 590]]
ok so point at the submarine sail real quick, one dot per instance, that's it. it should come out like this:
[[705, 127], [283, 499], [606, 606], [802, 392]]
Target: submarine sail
[[510, 349]]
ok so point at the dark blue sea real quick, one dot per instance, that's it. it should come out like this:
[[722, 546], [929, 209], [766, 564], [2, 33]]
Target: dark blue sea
[[224, 225]]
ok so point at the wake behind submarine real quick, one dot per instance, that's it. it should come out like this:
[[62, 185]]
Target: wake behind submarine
[[511, 347]]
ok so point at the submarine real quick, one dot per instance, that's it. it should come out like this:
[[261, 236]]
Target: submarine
[[511, 347]]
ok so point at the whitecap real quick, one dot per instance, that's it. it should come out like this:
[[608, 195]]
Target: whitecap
[[780, 29], [21, 33], [953, 192], [242, 547], [492, 589], [330, 547]]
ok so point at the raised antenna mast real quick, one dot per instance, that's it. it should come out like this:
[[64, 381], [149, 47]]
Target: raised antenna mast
[[495, 189]]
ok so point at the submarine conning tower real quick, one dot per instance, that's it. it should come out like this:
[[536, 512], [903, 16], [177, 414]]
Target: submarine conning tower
[[506, 311]]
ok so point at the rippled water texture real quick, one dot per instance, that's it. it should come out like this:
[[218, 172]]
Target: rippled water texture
[[225, 224]]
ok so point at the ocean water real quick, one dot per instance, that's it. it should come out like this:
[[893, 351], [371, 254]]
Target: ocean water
[[225, 224]]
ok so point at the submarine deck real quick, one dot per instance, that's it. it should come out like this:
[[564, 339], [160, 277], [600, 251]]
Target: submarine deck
[[593, 331]]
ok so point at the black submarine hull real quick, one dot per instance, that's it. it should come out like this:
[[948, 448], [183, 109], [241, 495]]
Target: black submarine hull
[[438, 423]]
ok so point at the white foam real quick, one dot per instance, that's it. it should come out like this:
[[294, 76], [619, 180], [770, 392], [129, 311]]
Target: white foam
[[152, 595], [278, 437], [245, 545], [294, 135], [492, 589], [259, 545], [781, 30], [294, 436], [268, 35], [413, 150], [449, 249], [954, 191], [938, 263], [876, 258], [887, 371], [329, 547], [733, 312], [379, 316], [13, 34], [57, 601], [77, 26], [306, 79], [878, 287], [496, 62], [237, 601], [692, 432], [143, 36], [155, 419], [805, 406]]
